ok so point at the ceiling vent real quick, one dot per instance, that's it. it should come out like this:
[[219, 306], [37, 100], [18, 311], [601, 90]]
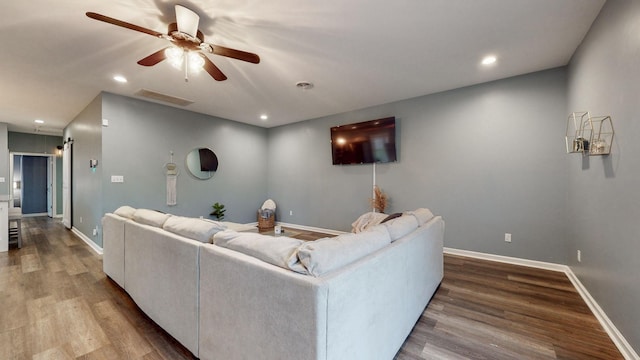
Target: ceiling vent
[[163, 97]]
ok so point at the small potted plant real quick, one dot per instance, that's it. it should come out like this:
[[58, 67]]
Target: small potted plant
[[218, 211]]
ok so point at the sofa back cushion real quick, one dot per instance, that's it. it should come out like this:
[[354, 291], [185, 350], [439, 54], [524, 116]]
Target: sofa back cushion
[[401, 226], [327, 254], [197, 229], [422, 215], [125, 211], [279, 251], [150, 217]]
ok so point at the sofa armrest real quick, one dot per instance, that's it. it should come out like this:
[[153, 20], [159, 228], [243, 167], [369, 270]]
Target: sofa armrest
[[113, 247], [161, 276], [253, 310]]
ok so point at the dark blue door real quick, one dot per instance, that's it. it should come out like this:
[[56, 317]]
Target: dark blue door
[[34, 182]]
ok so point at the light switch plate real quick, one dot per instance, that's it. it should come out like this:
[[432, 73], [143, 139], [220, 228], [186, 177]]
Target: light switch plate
[[117, 178]]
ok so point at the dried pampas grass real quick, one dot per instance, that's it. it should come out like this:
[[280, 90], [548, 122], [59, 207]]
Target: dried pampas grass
[[379, 201]]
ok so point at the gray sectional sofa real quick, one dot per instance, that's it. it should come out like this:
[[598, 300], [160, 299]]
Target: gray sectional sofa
[[225, 294]]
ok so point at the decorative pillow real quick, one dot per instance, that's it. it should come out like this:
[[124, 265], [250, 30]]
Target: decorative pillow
[[391, 217], [327, 254], [422, 215], [279, 251], [150, 217], [401, 226], [197, 229], [366, 220], [125, 211]]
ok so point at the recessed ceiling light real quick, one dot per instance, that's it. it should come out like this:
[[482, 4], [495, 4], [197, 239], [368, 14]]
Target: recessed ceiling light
[[304, 85], [264, 117], [38, 121], [489, 60], [120, 79]]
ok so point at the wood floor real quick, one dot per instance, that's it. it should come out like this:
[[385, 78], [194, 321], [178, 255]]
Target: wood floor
[[56, 303], [489, 310]]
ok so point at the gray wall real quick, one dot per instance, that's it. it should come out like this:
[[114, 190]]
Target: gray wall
[[603, 197], [40, 144], [489, 158], [33, 143], [4, 159], [137, 144], [86, 187]]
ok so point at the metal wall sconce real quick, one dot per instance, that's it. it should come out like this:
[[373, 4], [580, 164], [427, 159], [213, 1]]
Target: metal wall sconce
[[589, 135]]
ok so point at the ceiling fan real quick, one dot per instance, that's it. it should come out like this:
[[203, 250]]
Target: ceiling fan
[[187, 42]]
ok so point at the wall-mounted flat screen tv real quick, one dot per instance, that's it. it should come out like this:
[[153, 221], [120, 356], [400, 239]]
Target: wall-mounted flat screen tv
[[364, 143]]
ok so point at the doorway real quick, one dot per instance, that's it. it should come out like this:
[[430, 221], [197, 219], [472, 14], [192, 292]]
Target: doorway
[[33, 178]]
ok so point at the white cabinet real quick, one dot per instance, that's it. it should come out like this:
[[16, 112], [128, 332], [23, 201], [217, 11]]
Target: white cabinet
[[4, 226]]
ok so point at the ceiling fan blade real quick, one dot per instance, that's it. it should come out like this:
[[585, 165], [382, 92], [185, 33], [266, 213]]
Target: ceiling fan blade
[[187, 20], [154, 58], [123, 24], [236, 54], [212, 69]]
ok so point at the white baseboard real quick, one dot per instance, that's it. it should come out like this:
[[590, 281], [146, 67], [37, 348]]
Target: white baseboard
[[618, 339], [507, 259], [89, 242], [623, 345], [34, 215]]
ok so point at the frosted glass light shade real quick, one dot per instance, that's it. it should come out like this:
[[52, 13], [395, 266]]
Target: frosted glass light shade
[[174, 56]]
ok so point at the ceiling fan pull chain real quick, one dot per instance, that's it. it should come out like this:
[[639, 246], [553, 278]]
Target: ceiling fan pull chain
[[186, 67]]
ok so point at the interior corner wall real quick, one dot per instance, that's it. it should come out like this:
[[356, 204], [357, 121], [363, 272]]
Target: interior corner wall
[[490, 158], [86, 187], [604, 198], [137, 143]]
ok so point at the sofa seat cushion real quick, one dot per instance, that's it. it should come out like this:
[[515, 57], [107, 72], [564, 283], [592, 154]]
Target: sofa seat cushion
[[324, 255], [197, 229], [150, 217], [401, 226], [279, 251], [125, 211]]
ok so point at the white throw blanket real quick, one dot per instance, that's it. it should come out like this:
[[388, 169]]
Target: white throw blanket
[[366, 220]]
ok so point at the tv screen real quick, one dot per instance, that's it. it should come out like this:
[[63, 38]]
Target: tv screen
[[364, 143]]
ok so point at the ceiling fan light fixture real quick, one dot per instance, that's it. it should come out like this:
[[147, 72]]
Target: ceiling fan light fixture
[[187, 21], [174, 56], [196, 62]]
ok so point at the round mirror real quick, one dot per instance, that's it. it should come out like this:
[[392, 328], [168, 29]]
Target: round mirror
[[202, 163]]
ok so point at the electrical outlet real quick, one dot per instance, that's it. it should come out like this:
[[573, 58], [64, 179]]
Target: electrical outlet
[[95, 231], [579, 256], [290, 212], [80, 219], [507, 237]]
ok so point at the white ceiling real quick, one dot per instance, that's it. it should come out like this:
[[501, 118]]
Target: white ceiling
[[55, 60]]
